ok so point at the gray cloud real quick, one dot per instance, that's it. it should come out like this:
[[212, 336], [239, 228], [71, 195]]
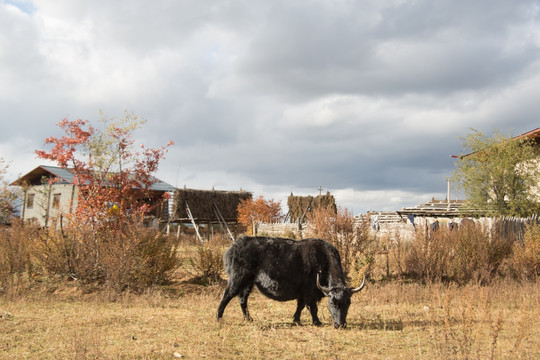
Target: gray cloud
[[366, 99], [424, 46]]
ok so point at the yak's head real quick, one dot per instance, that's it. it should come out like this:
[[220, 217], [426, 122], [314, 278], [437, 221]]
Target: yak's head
[[339, 300]]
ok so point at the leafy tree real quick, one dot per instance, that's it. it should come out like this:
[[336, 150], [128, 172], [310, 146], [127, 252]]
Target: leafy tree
[[500, 174], [252, 212], [8, 195], [114, 178]]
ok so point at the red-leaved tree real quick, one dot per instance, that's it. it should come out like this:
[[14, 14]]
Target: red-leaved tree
[[102, 243], [114, 179]]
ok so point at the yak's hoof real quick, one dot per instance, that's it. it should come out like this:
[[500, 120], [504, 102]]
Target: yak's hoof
[[297, 322], [317, 323]]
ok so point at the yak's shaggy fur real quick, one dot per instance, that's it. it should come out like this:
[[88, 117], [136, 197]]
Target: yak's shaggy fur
[[283, 270]]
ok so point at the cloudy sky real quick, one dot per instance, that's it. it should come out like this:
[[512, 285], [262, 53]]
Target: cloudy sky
[[366, 99]]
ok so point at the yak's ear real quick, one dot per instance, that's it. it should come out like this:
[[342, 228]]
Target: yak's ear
[[360, 287], [325, 290]]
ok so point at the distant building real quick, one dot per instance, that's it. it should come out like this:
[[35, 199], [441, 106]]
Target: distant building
[[44, 201]]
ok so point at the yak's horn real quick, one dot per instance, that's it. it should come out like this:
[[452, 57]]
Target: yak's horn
[[322, 288], [360, 287]]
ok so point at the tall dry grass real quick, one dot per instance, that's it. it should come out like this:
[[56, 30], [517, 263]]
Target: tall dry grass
[[394, 320], [470, 254], [356, 246], [208, 262], [137, 258], [525, 261], [16, 263], [132, 259]]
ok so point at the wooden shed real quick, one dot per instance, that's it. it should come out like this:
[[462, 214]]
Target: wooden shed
[[300, 206], [207, 207]]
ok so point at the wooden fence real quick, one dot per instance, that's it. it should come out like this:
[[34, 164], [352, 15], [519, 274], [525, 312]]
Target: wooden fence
[[514, 227], [389, 225]]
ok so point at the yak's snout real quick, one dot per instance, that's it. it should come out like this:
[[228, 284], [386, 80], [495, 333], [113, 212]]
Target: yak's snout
[[340, 326]]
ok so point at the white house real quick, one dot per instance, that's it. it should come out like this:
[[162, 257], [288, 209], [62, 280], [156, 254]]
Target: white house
[[44, 201]]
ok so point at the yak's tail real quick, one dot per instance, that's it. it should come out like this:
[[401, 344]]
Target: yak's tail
[[228, 260], [230, 254]]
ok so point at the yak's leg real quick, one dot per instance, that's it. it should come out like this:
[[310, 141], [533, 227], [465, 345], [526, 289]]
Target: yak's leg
[[234, 288], [313, 309], [243, 298], [299, 307], [224, 301]]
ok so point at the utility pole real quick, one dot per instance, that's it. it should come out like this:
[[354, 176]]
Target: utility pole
[[448, 193], [320, 190]]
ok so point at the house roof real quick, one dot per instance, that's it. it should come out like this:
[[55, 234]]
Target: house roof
[[533, 135], [438, 208], [43, 170], [35, 176]]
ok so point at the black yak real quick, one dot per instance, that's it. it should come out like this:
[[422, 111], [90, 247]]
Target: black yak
[[283, 270]]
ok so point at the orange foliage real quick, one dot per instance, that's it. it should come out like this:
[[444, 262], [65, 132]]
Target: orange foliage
[[259, 210]]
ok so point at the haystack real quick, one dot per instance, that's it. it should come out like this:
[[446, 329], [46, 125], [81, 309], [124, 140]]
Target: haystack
[[203, 203], [300, 206]]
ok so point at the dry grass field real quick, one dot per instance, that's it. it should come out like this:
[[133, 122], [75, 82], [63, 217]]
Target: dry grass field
[[393, 320]]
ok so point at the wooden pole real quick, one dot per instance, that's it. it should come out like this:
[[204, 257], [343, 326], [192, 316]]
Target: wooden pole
[[25, 199], [222, 219], [188, 211]]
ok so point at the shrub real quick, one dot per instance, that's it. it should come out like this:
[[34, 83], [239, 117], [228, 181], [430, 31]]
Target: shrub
[[208, 263], [394, 251], [425, 257], [131, 258], [15, 260], [469, 253], [137, 259], [525, 261], [356, 246]]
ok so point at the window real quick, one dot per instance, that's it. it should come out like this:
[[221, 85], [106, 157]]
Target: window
[[30, 201], [56, 201]]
